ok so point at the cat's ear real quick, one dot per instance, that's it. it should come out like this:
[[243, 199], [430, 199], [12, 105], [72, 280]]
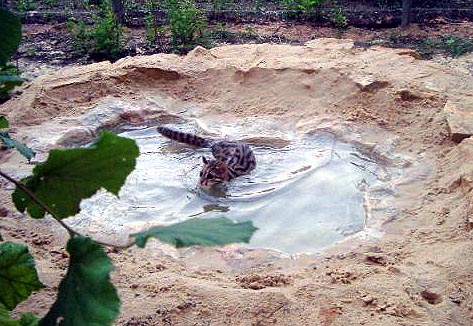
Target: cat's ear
[[204, 159]]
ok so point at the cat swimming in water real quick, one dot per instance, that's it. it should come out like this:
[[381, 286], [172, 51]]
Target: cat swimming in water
[[231, 158]]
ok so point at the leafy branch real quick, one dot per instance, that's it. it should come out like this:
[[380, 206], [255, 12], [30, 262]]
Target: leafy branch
[[43, 192], [20, 186], [56, 187], [33, 198]]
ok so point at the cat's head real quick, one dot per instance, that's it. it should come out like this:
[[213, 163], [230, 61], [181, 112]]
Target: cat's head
[[213, 172]]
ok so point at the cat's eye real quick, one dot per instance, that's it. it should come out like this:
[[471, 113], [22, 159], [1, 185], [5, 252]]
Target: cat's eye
[[210, 176], [201, 174]]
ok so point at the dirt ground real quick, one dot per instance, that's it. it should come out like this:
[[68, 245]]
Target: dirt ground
[[48, 47], [411, 266]]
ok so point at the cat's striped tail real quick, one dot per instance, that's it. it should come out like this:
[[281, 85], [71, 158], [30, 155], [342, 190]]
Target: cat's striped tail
[[183, 137]]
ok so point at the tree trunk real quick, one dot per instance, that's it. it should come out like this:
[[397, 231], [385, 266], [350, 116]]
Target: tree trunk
[[406, 12], [118, 10]]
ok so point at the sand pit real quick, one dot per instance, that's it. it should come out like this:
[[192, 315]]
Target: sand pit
[[407, 263]]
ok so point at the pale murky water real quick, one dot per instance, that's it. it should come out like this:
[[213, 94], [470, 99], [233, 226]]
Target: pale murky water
[[305, 194]]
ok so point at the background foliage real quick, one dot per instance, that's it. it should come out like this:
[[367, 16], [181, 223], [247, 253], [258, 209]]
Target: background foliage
[[103, 38], [9, 42]]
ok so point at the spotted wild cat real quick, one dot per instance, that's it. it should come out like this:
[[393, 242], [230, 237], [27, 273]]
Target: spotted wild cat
[[232, 158]]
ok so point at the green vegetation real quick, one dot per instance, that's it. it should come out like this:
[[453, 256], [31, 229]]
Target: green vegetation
[[51, 3], [56, 187], [103, 39], [447, 45], [221, 6], [9, 79], [25, 5], [81, 169], [156, 34], [187, 23], [208, 232], [8, 142], [4, 122], [339, 20], [451, 45], [81, 37], [9, 75], [107, 34], [150, 22], [306, 9], [85, 296], [18, 277]]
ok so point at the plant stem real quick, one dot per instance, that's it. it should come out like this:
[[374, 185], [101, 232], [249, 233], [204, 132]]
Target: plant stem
[[32, 196], [71, 232]]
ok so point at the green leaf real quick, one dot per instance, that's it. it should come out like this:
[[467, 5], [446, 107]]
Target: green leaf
[[18, 276], [8, 83], [5, 318], [204, 232], [7, 141], [86, 295], [10, 35], [27, 319], [70, 175], [14, 79], [3, 122]]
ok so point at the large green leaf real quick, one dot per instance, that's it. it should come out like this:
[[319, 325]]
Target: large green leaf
[[5, 319], [8, 82], [10, 78], [70, 175], [3, 122], [10, 35], [18, 276], [205, 232], [27, 319], [24, 150], [86, 295]]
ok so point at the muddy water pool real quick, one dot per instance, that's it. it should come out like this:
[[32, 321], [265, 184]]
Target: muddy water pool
[[307, 192]]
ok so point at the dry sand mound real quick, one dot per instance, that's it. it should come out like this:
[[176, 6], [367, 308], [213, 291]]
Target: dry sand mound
[[416, 113]]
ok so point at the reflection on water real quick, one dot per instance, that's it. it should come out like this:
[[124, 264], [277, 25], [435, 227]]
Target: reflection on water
[[303, 196]]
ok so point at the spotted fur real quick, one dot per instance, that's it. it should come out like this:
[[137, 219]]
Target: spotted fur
[[231, 158]]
